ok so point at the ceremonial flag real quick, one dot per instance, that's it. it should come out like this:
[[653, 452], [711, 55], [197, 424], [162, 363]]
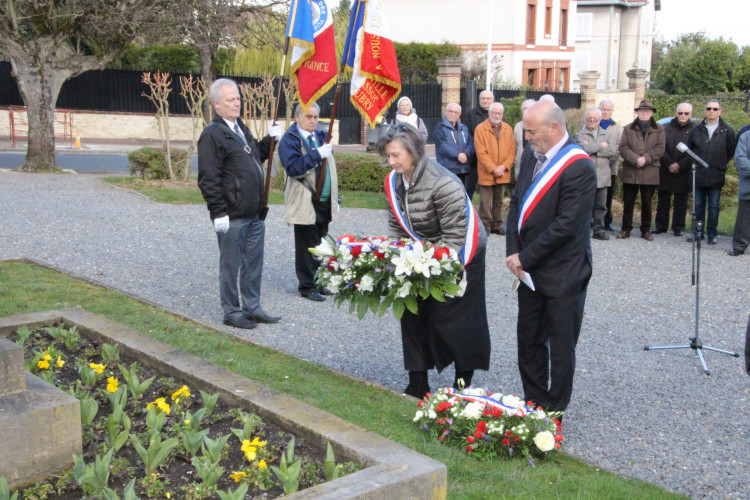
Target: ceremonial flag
[[369, 51], [313, 63]]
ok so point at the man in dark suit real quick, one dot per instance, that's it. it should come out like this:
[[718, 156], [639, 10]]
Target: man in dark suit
[[230, 178], [554, 198]]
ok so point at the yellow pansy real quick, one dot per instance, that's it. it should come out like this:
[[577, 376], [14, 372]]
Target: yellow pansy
[[159, 404], [98, 368], [182, 392], [257, 442], [60, 363], [47, 357], [262, 464], [43, 364], [112, 384], [250, 454], [237, 476]]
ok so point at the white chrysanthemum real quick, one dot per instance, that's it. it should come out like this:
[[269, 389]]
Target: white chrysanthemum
[[418, 415], [431, 414], [365, 284], [346, 254], [540, 415], [512, 401], [404, 290], [473, 411]]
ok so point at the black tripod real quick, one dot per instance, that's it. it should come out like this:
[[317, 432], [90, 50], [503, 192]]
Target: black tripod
[[695, 342]]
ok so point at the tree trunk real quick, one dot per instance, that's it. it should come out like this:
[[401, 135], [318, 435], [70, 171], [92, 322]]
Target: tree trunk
[[39, 84], [207, 53]]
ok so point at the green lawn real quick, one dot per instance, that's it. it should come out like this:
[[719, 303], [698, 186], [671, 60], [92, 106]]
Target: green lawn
[[27, 288]]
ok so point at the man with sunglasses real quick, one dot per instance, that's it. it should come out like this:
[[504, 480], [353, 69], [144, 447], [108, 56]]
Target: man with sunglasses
[[712, 140], [674, 174]]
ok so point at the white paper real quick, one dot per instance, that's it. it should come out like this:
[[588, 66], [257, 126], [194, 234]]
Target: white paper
[[526, 279]]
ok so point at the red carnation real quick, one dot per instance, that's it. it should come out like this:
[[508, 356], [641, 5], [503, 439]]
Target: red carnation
[[440, 421], [478, 434], [380, 255], [356, 250], [482, 426], [516, 439], [427, 395], [557, 445], [470, 439], [330, 263], [441, 438], [558, 437], [530, 404], [441, 252], [420, 403], [469, 448], [558, 424], [506, 442], [486, 411], [509, 433], [443, 406], [497, 412]]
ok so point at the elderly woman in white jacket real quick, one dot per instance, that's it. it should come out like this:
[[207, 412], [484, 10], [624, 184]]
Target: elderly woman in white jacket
[[408, 115]]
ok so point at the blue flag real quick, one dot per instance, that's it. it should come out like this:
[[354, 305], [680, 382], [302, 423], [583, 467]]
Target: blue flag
[[300, 23], [355, 24]]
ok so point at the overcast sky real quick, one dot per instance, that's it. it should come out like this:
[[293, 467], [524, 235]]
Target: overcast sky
[[728, 18]]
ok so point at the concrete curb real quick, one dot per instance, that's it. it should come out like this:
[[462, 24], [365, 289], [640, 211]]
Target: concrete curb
[[393, 471]]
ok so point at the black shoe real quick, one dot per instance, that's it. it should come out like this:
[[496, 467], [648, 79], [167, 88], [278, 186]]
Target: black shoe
[[711, 241], [735, 253], [600, 235], [264, 318], [244, 323], [418, 385], [313, 295], [656, 230], [678, 232], [325, 291]]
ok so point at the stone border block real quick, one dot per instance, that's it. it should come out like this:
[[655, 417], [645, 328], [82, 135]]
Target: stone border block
[[392, 470]]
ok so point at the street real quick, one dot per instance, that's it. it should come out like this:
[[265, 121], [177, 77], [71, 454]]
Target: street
[[90, 163]]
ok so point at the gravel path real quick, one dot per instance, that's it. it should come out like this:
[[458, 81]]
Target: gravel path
[[650, 415]]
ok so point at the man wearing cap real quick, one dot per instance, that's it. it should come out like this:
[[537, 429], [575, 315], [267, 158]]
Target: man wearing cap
[[713, 141], [641, 147]]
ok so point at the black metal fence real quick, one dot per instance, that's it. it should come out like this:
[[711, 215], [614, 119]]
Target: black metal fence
[[119, 90]]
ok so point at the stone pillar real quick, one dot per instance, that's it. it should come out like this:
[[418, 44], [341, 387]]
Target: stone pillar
[[637, 82], [449, 76], [588, 88]]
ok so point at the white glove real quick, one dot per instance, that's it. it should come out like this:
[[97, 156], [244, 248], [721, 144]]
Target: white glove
[[325, 151], [221, 225], [276, 131]]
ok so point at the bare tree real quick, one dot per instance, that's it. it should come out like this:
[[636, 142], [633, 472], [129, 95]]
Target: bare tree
[[49, 42], [159, 89], [194, 91]]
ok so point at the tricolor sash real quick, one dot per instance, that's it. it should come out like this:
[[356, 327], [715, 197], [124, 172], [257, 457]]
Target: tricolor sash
[[547, 178], [467, 251]]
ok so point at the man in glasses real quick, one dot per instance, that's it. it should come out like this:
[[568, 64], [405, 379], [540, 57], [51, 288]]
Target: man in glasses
[[607, 107], [600, 145], [712, 140], [674, 174]]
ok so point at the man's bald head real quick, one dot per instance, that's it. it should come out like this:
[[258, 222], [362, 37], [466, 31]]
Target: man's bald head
[[544, 125]]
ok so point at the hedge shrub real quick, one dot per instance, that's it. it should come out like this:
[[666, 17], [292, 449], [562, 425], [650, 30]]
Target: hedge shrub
[[151, 164], [360, 172]]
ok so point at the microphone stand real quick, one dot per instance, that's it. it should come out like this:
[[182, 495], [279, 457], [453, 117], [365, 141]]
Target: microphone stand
[[695, 342]]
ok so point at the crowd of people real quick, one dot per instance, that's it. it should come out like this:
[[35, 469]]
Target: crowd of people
[[563, 197]]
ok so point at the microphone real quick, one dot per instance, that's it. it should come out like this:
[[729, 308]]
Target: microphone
[[684, 149]]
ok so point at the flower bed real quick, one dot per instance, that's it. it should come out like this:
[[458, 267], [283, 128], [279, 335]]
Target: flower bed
[[148, 435], [375, 273], [489, 425]]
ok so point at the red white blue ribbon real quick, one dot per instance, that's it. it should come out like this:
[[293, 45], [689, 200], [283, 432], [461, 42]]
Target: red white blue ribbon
[[492, 403], [467, 251], [547, 178]]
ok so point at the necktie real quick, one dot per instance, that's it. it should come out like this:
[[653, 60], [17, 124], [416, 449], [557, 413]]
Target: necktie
[[312, 141], [238, 132], [540, 159]]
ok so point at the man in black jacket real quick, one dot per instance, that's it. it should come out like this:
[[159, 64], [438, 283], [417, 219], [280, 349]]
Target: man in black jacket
[[712, 140], [674, 173], [473, 118], [230, 178], [549, 237]]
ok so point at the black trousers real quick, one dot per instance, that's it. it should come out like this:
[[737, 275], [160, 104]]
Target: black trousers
[[610, 195], [471, 180], [741, 238], [547, 333], [306, 237], [662, 211], [629, 194]]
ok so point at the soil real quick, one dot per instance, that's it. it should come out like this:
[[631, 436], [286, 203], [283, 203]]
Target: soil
[[176, 474]]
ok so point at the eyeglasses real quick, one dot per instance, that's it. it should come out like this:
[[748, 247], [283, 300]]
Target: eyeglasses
[[684, 112], [709, 108], [592, 119]]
